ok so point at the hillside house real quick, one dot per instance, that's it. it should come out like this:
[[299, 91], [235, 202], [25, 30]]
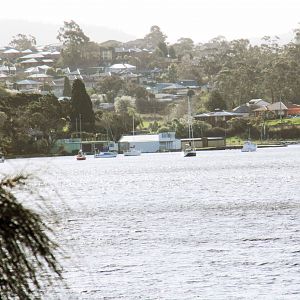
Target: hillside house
[[277, 109], [117, 68], [293, 109], [28, 86], [218, 117]]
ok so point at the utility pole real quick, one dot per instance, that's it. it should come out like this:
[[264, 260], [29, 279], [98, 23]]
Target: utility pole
[[76, 129], [80, 125]]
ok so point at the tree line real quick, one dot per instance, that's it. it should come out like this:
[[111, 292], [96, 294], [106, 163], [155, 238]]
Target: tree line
[[32, 123]]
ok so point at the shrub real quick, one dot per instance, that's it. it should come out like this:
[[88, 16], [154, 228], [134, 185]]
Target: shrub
[[215, 131]]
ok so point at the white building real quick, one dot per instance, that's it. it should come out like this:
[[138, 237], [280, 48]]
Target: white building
[[117, 68], [29, 86], [150, 143]]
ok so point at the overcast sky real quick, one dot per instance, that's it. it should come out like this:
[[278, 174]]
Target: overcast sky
[[200, 20]]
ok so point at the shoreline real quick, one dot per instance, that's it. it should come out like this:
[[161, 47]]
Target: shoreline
[[228, 147]]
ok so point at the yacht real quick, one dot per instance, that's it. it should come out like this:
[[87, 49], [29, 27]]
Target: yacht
[[190, 147], [105, 154], [132, 152], [189, 152]]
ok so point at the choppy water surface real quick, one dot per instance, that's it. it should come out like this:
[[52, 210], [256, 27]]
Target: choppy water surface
[[222, 225]]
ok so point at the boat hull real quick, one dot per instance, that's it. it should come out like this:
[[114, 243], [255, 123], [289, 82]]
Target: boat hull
[[249, 147], [80, 157], [132, 153], [189, 153], [105, 155]]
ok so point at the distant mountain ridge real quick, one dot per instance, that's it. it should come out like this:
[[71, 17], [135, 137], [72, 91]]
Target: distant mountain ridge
[[45, 33]]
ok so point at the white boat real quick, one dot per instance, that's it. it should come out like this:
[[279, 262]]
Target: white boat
[[132, 151], [105, 154], [190, 151], [249, 146], [81, 154]]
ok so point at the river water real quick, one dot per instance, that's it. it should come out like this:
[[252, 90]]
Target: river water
[[222, 225]]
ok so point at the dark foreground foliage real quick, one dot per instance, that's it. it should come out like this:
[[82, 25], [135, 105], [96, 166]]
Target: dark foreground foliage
[[25, 247]]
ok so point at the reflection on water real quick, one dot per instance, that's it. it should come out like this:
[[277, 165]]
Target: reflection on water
[[224, 224]]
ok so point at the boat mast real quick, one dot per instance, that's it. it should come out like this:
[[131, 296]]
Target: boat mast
[[133, 124], [79, 131], [80, 126], [190, 118]]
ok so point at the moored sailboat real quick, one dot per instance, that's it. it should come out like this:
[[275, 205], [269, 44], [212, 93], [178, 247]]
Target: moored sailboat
[[248, 145], [81, 154], [132, 151], [190, 147]]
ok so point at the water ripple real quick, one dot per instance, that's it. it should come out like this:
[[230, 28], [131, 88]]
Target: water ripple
[[222, 225]]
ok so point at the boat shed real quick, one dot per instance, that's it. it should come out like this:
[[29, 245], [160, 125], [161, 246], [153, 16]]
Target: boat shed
[[71, 146], [150, 143], [204, 142]]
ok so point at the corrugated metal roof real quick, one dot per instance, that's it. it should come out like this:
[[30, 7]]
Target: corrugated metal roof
[[40, 76], [28, 61], [27, 82], [244, 108], [33, 55], [263, 108], [174, 86], [276, 106], [11, 51], [139, 138], [218, 114], [122, 66], [27, 51]]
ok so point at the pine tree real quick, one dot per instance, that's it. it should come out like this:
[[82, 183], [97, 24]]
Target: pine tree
[[67, 88], [82, 110]]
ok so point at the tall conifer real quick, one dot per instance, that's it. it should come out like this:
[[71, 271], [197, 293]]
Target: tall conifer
[[82, 110], [67, 88]]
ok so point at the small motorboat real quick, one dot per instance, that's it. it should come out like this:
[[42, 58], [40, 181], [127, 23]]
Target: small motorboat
[[189, 152], [105, 154], [132, 152], [80, 155]]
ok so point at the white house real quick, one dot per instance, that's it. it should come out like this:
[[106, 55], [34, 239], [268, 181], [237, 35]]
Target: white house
[[28, 85], [117, 68], [150, 143], [258, 102]]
